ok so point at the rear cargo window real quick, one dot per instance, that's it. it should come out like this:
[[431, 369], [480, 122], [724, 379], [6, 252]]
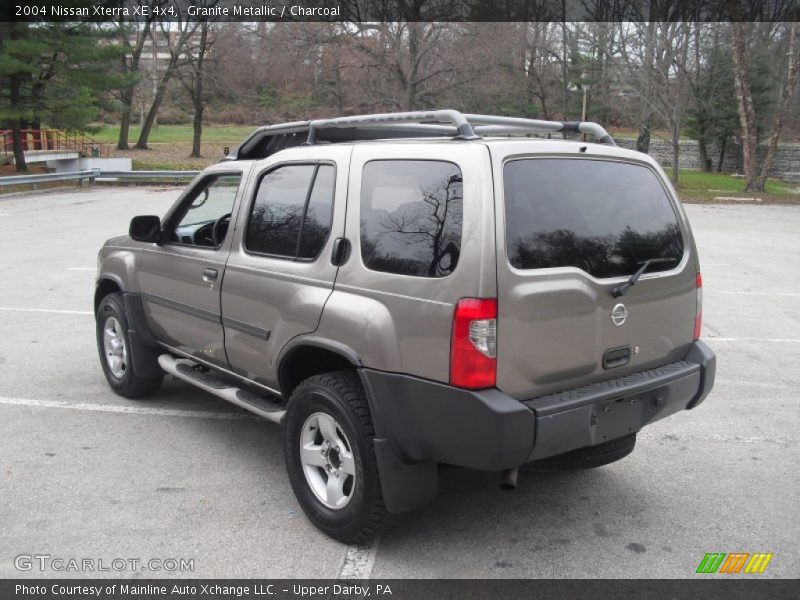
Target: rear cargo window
[[604, 217], [411, 214]]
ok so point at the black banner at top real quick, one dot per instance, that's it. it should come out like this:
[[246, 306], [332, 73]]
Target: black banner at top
[[400, 10]]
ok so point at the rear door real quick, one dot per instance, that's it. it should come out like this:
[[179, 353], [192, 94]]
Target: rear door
[[569, 231], [279, 273]]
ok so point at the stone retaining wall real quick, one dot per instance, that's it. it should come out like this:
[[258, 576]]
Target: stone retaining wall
[[785, 166]]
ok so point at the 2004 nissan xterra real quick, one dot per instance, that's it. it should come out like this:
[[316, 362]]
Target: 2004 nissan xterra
[[410, 289]]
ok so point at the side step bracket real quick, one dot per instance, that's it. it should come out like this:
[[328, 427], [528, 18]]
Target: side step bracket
[[268, 408]]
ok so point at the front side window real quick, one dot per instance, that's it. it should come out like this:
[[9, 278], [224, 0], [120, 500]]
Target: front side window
[[291, 214], [411, 217], [205, 215], [604, 217]]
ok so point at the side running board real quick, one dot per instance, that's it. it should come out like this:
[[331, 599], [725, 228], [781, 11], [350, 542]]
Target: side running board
[[206, 380]]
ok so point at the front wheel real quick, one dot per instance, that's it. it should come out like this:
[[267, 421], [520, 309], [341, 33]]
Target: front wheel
[[114, 348], [328, 445]]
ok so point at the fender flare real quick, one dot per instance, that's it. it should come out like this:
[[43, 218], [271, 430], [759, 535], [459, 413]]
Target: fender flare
[[115, 279], [301, 341]]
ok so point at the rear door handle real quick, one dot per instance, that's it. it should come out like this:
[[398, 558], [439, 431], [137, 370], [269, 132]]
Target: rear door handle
[[340, 252], [209, 275]]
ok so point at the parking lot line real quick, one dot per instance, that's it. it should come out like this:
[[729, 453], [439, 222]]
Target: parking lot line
[[762, 384], [358, 561], [131, 410], [740, 439], [46, 310], [749, 339], [789, 294]]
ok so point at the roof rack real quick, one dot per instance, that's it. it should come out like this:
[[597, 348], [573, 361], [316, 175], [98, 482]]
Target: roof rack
[[270, 139]]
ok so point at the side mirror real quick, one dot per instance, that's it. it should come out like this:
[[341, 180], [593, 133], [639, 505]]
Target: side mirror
[[145, 229]]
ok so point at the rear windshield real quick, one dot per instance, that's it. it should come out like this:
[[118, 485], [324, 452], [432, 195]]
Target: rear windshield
[[604, 217]]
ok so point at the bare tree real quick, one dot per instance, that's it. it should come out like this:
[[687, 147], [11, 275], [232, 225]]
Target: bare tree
[[655, 60], [408, 60], [540, 64], [787, 92], [176, 43], [741, 34], [194, 78], [744, 99], [132, 38]]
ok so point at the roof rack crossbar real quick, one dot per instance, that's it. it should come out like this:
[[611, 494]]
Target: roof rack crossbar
[[517, 125], [463, 127]]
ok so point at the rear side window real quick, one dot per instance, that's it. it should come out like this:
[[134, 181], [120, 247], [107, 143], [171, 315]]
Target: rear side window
[[291, 214], [604, 217], [411, 214]]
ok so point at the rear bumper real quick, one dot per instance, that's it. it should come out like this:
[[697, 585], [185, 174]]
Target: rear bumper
[[604, 411], [428, 422]]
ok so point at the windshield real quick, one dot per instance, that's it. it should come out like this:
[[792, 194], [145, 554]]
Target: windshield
[[604, 217]]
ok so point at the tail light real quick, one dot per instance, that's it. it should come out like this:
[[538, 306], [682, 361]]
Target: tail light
[[698, 317], [473, 346]]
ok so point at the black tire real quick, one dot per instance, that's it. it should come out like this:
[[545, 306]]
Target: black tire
[[589, 457], [341, 396], [127, 383]]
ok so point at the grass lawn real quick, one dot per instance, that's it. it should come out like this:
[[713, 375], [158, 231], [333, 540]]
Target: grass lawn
[[696, 186], [167, 134], [170, 145]]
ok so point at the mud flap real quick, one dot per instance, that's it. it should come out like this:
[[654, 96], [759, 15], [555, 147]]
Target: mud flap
[[405, 486], [144, 351]]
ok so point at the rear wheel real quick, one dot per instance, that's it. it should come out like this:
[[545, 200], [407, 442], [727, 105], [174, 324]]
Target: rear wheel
[[114, 348], [330, 458], [589, 457]]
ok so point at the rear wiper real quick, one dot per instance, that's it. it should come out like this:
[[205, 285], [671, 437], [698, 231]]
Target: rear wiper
[[622, 289]]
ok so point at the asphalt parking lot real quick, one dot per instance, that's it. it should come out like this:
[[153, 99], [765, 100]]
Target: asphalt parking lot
[[87, 474]]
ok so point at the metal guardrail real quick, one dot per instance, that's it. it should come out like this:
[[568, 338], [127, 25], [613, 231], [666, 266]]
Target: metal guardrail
[[95, 174], [147, 174], [47, 177]]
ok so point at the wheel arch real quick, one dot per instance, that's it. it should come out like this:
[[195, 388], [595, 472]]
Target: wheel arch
[[107, 283], [306, 356]]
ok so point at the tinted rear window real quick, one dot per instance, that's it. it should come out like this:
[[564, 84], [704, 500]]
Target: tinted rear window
[[600, 216]]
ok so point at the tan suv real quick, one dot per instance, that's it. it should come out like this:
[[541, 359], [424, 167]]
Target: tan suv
[[411, 289]]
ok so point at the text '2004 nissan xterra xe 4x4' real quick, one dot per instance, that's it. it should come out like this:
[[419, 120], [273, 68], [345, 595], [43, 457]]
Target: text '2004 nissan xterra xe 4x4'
[[410, 289]]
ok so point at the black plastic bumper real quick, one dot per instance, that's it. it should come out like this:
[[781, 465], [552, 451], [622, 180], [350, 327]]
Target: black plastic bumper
[[607, 410], [419, 423]]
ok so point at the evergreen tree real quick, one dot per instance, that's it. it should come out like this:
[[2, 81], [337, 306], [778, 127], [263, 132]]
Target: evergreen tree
[[713, 117], [54, 73]]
